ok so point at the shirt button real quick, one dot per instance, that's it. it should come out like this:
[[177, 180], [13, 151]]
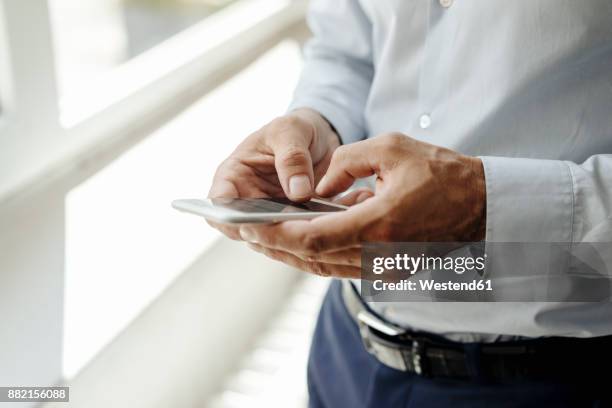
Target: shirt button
[[425, 121], [446, 3]]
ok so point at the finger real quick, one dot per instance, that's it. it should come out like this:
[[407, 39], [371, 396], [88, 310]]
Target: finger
[[349, 257], [223, 188], [348, 163], [355, 197], [341, 230], [293, 164], [317, 268], [229, 230]]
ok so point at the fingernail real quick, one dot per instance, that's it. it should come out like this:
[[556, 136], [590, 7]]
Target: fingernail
[[247, 235], [299, 186], [321, 184]]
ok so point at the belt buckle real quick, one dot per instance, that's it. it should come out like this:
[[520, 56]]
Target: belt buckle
[[367, 321], [377, 323], [414, 362]]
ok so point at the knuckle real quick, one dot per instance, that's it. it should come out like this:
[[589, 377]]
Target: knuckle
[[231, 235], [320, 269], [272, 255], [391, 141], [312, 244], [305, 257], [386, 231], [293, 156], [221, 168], [251, 140], [351, 261], [266, 240], [227, 166], [325, 271], [339, 156], [340, 153], [287, 123], [315, 268], [395, 137]]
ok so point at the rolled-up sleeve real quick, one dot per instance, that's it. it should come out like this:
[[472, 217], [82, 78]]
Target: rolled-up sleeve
[[338, 66]]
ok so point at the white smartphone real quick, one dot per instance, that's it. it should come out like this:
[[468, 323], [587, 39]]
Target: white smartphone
[[256, 210]]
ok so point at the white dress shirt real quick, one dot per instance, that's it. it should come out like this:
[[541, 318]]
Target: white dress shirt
[[524, 84]]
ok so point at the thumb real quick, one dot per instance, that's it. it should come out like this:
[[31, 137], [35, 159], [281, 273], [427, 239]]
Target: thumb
[[355, 197], [348, 163], [293, 165]]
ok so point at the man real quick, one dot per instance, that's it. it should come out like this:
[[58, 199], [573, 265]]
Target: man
[[484, 120]]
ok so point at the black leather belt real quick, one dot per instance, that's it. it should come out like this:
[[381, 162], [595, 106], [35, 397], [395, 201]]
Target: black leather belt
[[428, 355]]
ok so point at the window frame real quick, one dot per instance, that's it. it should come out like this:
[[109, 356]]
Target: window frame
[[125, 113]]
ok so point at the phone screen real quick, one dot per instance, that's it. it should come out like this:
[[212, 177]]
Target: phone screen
[[272, 205]]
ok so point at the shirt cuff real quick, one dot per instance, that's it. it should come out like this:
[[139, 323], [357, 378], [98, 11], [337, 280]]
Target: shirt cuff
[[528, 200], [348, 130]]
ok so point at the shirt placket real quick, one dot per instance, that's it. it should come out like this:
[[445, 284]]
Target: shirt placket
[[435, 65]]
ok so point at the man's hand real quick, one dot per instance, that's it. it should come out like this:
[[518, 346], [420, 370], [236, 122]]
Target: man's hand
[[285, 158], [424, 193]]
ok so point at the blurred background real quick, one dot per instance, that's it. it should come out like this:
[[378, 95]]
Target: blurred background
[[109, 110]]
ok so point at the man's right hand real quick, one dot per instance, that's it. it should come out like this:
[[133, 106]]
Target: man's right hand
[[285, 158]]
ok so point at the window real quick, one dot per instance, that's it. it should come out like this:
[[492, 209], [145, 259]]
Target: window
[[93, 37], [104, 146], [123, 238]]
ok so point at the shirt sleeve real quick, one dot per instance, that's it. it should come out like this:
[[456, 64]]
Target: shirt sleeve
[[548, 201], [338, 66], [530, 200]]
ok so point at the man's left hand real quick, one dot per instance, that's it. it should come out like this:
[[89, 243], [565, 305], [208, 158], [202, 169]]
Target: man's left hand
[[424, 193]]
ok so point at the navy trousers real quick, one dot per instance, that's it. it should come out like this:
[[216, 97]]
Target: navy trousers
[[341, 373]]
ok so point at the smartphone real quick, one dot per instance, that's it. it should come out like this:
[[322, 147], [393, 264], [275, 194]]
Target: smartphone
[[256, 210]]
